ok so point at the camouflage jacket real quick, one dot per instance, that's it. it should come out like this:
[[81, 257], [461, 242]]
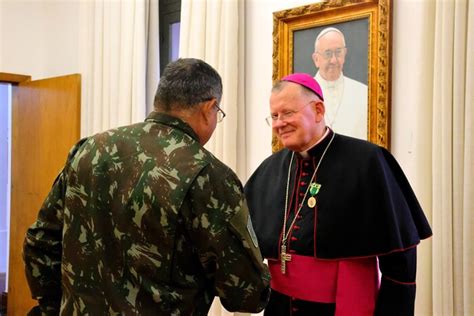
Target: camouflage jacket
[[144, 221]]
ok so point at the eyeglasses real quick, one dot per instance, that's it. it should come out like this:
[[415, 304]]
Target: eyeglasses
[[338, 52], [285, 115], [220, 114]]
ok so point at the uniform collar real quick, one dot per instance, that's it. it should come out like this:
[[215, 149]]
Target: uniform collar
[[172, 121]]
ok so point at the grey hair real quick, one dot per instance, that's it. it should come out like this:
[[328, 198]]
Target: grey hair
[[324, 32], [187, 82]]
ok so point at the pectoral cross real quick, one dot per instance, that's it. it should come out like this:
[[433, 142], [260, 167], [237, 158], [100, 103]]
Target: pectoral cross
[[284, 257]]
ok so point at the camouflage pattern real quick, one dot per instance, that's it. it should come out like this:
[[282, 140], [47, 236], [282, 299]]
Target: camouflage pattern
[[144, 221]]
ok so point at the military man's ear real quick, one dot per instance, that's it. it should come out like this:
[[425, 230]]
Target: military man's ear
[[208, 109]]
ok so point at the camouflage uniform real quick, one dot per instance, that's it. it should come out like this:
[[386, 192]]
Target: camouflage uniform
[[144, 221]]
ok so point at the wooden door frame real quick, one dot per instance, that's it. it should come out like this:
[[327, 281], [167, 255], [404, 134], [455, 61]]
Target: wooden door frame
[[26, 119], [13, 79]]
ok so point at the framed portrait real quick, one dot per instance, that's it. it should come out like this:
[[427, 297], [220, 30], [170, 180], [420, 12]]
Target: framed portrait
[[346, 46]]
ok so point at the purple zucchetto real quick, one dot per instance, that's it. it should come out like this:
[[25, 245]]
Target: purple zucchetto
[[306, 81]]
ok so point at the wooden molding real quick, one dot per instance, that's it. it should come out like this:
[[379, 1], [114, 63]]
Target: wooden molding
[[13, 78]]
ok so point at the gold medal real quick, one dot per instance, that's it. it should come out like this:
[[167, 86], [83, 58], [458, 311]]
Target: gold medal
[[312, 202]]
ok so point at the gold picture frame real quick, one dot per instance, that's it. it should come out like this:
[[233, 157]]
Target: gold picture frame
[[290, 31]]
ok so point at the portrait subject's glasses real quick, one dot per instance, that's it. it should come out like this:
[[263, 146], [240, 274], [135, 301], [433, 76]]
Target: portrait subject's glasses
[[328, 53], [284, 116], [220, 114]]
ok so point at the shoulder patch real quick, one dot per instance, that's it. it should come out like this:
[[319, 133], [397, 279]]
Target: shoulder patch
[[252, 232]]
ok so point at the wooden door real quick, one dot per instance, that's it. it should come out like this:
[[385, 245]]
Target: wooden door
[[45, 124]]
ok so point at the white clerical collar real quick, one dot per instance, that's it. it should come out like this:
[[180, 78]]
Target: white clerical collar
[[327, 83], [304, 154]]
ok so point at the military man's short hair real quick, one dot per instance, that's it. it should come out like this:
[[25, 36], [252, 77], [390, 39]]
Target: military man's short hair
[[186, 82]]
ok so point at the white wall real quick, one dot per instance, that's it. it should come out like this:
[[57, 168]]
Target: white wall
[[1, 34], [44, 43], [39, 37], [412, 63]]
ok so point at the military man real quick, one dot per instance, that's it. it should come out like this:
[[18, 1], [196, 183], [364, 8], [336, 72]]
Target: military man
[[143, 220]]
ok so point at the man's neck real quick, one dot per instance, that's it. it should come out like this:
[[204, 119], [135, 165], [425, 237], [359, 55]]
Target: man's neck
[[304, 153], [321, 80]]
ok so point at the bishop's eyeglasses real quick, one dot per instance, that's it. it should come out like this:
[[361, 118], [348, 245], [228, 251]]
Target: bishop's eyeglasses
[[328, 53], [284, 116]]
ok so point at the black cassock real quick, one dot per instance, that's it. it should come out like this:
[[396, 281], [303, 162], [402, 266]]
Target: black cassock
[[365, 208]]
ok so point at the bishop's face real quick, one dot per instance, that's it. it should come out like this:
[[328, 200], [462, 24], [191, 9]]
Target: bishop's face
[[295, 117], [330, 55]]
